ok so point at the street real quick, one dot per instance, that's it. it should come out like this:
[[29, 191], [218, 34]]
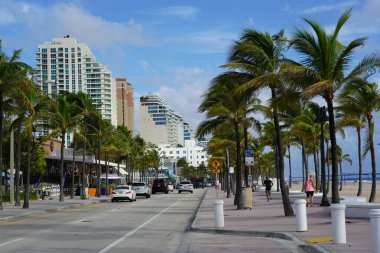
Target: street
[[147, 225]]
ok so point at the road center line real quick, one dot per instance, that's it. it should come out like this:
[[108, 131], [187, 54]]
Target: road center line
[[136, 229], [6, 243]]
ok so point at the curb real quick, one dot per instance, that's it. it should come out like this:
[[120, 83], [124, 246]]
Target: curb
[[194, 216]]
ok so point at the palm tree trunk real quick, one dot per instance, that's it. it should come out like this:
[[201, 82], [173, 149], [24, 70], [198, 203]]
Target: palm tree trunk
[[372, 197], [360, 162], [246, 168], [98, 188], [73, 171], [227, 174], [61, 182], [290, 168], [316, 167], [341, 177], [306, 164], [238, 199], [27, 172], [107, 170], [284, 193], [334, 162], [1, 149], [18, 166], [328, 167], [84, 178]]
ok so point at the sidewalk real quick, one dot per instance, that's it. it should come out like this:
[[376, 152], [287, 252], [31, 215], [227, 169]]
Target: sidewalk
[[11, 212], [266, 219]]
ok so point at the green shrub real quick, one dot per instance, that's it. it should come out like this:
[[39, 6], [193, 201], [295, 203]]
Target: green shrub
[[32, 196]]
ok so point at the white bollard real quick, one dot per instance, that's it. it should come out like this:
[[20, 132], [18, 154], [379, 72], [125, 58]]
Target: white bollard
[[338, 218], [374, 215], [218, 213], [301, 218]]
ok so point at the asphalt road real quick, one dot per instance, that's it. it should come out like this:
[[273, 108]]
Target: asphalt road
[[147, 225]]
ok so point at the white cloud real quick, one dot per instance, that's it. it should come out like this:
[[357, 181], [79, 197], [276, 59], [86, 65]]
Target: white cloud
[[68, 18], [286, 8], [327, 8], [213, 41], [96, 31], [6, 18], [144, 64], [184, 12], [251, 22]]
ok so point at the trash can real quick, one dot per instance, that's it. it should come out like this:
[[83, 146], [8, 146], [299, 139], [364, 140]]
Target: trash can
[[246, 197]]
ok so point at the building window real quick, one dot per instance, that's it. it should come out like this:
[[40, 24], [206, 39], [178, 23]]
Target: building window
[[53, 50], [66, 50], [53, 61], [53, 56], [44, 50]]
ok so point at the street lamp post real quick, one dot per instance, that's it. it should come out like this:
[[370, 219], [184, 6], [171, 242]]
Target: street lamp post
[[322, 118]]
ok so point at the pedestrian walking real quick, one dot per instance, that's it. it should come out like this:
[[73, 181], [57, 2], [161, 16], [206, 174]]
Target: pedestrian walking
[[268, 187], [309, 190]]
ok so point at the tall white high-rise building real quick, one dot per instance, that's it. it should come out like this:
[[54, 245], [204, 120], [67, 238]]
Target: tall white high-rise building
[[65, 65], [159, 124]]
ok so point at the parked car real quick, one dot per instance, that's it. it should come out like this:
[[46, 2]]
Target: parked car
[[141, 189], [170, 187], [185, 186], [160, 185], [123, 192], [208, 184]]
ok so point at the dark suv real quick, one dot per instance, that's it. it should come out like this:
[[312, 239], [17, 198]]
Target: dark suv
[[160, 185]]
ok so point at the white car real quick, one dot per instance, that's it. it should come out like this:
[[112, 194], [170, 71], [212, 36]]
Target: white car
[[185, 186], [170, 187], [123, 192], [141, 189]]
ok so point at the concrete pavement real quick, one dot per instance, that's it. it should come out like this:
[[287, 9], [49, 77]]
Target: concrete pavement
[[266, 219], [263, 228]]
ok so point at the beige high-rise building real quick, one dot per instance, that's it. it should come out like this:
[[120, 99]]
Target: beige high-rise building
[[125, 105], [159, 124]]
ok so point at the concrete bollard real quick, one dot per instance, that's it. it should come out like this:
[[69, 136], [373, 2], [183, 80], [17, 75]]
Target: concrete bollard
[[374, 215], [218, 213], [301, 218], [338, 218]]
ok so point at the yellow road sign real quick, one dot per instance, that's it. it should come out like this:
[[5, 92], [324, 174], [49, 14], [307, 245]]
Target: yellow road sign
[[215, 171], [215, 164]]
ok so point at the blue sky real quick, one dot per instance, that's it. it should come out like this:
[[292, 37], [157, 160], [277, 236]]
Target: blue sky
[[175, 47]]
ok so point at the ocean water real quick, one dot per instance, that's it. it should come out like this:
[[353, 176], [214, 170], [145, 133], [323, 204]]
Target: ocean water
[[349, 177]]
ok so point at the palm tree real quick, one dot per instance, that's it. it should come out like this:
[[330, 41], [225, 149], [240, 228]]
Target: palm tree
[[84, 107], [325, 61], [224, 105], [62, 118], [261, 55], [12, 79], [366, 97], [155, 160], [349, 115]]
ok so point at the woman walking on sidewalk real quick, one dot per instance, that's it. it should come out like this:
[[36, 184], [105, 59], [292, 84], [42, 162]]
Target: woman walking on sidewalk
[[309, 189]]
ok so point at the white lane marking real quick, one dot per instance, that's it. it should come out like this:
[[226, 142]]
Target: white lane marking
[[6, 243], [110, 246], [78, 221]]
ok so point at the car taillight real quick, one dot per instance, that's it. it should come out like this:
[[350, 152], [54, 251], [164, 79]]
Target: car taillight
[[128, 192], [113, 192]]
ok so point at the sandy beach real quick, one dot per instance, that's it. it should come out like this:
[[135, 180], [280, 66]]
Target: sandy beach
[[350, 189]]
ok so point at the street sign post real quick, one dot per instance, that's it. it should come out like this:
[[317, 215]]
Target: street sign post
[[248, 157]]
